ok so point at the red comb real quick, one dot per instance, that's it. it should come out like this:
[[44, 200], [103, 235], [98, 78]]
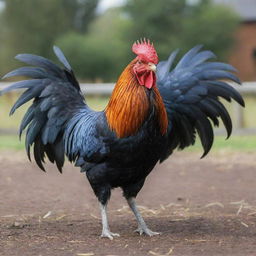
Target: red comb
[[145, 50]]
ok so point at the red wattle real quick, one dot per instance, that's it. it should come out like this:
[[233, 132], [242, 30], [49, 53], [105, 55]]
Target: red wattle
[[148, 78], [140, 78]]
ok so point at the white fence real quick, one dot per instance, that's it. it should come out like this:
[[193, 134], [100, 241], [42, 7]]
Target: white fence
[[89, 89], [105, 89]]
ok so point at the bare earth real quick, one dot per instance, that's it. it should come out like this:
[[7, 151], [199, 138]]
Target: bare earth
[[202, 207]]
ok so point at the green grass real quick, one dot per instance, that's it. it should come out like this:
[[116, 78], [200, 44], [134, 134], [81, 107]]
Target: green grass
[[99, 103], [235, 143], [249, 111], [11, 142], [13, 122]]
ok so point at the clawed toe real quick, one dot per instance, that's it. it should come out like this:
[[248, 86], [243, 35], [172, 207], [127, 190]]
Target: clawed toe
[[139, 231], [152, 233], [109, 235], [146, 231]]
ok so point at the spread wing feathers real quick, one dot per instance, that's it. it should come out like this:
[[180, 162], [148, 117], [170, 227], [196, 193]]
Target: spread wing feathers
[[55, 118], [191, 93]]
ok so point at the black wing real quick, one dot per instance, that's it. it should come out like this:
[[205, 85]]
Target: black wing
[[191, 93], [58, 121]]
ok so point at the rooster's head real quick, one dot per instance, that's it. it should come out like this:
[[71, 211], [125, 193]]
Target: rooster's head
[[145, 63]]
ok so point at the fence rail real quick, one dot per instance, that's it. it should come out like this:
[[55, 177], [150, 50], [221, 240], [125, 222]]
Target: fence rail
[[105, 89], [88, 88]]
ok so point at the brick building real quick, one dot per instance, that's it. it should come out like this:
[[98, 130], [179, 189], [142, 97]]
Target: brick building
[[243, 55]]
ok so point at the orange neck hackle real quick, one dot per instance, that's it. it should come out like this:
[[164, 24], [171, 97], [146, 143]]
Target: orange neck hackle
[[129, 105]]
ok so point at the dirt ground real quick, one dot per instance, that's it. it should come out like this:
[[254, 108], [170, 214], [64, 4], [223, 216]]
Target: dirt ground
[[202, 207]]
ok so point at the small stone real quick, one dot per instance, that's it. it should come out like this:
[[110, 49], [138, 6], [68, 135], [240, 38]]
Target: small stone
[[17, 224]]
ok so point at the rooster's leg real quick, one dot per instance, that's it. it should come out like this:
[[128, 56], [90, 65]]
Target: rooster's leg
[[105, 228], [142, 226]]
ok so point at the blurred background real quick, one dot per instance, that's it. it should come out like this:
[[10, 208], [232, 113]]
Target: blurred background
[[96, 37]]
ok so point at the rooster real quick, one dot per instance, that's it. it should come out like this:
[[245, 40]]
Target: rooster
[[151, 112]]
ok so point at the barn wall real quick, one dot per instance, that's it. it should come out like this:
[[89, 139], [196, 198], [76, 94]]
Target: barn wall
[[243, 56]]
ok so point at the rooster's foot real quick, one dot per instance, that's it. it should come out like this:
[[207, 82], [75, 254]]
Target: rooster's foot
[[146, 231], [109, 234]]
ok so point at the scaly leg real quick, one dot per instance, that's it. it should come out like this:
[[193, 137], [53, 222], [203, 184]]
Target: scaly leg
[[142, 227], [105, 228]]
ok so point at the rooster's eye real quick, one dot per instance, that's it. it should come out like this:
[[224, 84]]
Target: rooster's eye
[[139, 62]]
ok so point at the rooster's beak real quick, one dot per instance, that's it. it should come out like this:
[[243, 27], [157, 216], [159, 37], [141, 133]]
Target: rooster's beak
[[152, 66]]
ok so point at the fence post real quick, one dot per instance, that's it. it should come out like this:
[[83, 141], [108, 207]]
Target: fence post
[[238, 116]]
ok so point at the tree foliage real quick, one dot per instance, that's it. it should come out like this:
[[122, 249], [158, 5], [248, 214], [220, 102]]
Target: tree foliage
[[34, 25], [214, 27], [181, 24], [99, 47], [103, 52], [106, 48]]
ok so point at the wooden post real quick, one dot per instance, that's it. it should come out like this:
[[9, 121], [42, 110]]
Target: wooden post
[[238, 116]]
